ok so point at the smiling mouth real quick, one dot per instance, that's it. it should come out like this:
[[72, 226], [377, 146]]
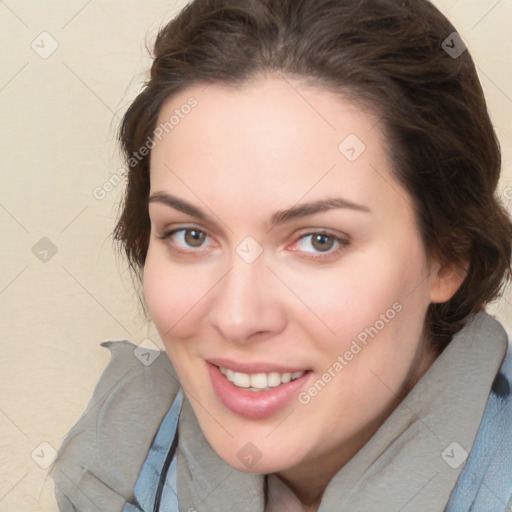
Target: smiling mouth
[[259, 381], [258, 394]]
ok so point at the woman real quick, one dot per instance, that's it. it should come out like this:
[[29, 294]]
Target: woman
[[310, 210]]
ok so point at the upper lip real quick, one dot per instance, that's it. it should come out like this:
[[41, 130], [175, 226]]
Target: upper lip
[[253, 367]]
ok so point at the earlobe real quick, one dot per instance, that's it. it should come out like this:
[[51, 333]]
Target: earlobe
[[447, 281]]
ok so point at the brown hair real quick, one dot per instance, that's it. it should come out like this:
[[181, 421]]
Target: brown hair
[[387, 54]]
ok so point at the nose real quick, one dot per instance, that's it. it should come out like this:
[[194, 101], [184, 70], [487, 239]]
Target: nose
[[246, 303]]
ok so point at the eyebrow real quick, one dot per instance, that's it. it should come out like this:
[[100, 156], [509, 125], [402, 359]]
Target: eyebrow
[[278, 217]]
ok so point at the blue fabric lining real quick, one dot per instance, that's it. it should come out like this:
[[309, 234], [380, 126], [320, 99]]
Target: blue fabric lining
[[485, 484], [145, 490]]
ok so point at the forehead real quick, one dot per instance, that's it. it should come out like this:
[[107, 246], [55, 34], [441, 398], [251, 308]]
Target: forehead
[[275, 138], [265, 117]]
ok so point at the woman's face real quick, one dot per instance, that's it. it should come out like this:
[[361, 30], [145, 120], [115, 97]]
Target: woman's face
[[292, 293]]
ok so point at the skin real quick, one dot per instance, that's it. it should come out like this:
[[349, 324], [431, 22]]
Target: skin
[[240, 155]]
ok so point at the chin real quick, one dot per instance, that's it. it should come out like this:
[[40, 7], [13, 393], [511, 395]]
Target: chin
[[259, 467], [247, 456]]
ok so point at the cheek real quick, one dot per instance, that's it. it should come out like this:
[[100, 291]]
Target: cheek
[[167, 291], [377, 299], [170, 301], [354, 297], [159, 294], [386, 319]]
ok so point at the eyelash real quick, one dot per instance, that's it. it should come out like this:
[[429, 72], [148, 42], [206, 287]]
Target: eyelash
[[341, 241]]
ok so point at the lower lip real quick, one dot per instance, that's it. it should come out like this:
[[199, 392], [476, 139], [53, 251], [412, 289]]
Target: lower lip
[[254, 404]]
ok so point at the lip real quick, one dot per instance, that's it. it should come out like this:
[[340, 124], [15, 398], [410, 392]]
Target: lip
[[255, 404], [254, 367]]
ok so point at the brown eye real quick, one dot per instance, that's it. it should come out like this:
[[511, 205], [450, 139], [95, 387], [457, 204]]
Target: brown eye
[[195, 239], [184, 238], [322, 242]]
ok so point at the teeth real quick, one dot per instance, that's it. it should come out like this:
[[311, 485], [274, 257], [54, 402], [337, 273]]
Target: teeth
[[259, 381], [242, 380], [286, 377], [273, 379]]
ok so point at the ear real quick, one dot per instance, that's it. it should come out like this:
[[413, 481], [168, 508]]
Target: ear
[[446, 280]]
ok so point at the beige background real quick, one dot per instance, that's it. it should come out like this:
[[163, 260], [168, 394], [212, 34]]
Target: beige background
[[59, 116]]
